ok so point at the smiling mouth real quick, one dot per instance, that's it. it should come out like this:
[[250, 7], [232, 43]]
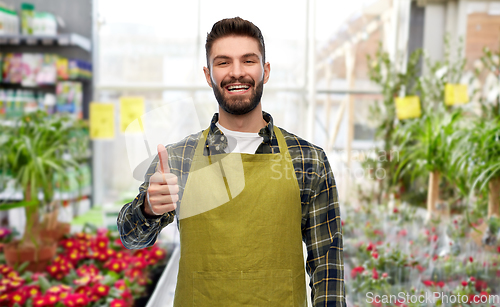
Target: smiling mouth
[[238, 88]]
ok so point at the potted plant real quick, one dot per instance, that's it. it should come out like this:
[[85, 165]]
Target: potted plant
[[34, 151]]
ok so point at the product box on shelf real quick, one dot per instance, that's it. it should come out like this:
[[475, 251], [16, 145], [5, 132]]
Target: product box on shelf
[[48, 71], [13, 68], [62, 68], [69, 98], [9, 21], [31, 66]]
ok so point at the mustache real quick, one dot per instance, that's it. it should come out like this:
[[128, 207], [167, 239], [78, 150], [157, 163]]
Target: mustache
[[234, 80]]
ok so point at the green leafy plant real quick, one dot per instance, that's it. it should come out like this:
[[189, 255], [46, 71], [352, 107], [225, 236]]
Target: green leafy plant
[[389, 75], [34, 150], [425, 148]]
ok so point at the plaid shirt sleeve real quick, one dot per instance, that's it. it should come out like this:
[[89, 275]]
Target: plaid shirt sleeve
[[322, 229], [136, 230]]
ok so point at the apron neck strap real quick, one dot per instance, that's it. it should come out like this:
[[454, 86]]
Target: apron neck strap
[[277, 133]]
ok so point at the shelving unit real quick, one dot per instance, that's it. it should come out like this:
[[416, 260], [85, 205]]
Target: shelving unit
[[75, 42], [71, 39]]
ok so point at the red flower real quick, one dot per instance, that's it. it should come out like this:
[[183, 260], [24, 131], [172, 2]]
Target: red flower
[[403, 232], [498, 248], [32, 291], [101, 290], [434, 238], [101, 243], [440, 284], [471, 259], [428, 283], [70, 243], [472, 278], [375, 255], [374, 274], [435, 258], [18, 297], [120, 285], [40, 301], [385, 275], [4, 299], [370, 247], [357, 270], [464, 283], [395, 210], [115, 265], [76, 300], [5, 269], [51, 299], [84, 290], [118, 303]]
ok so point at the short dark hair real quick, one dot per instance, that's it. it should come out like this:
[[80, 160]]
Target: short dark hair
[[234, 26]]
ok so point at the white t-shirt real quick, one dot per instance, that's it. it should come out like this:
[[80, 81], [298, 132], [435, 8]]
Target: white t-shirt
[[241, 142]]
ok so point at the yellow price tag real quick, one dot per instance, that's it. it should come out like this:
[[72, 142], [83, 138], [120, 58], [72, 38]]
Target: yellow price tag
[[102, 120], [455, 94], [131, 108], [408, 107]]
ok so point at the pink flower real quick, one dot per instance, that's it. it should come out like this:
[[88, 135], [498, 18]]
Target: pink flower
[[385, 275], [428, 283], [370, 247], [472, 279], [355, 271], [374, 274]]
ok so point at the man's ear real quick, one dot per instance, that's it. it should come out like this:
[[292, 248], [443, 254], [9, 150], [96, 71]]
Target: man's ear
[[207, 76], [267, 71]]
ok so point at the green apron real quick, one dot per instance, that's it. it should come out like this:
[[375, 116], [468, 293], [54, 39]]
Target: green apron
[[240, 231]]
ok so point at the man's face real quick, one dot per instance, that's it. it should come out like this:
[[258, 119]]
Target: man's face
[[237, 75]]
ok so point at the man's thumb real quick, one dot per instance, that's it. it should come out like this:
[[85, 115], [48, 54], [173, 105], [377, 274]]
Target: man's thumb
[[163, 155]]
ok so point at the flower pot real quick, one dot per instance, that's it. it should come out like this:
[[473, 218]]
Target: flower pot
[[56, 233], [38, 258]]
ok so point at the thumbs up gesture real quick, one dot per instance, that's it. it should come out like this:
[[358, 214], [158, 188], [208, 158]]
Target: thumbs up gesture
[[162, 188]]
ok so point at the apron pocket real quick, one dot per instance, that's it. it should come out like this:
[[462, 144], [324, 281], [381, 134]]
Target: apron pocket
[[251, 288]]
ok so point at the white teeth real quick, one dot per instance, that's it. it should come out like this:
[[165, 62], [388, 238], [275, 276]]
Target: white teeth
[[238, 87]]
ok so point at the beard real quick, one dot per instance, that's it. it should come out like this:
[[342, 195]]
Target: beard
[[236, 105]]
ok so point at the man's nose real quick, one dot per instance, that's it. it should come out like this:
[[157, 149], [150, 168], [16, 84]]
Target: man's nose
[[237, 70]]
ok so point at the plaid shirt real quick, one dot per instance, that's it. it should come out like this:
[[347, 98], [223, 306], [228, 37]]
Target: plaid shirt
[[321, 225]]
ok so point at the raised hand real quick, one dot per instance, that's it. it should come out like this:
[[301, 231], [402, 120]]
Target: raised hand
[[162, 188]]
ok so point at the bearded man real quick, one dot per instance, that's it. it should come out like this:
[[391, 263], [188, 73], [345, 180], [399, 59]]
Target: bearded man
[[248, 194]]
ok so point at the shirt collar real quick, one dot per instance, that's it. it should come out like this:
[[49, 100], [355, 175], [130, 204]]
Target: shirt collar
[[217, 143]]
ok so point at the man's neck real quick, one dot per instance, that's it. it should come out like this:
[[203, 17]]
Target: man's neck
[[250, 122]]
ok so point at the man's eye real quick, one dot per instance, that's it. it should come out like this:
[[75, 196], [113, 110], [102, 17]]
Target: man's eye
[[249, 61], [222, 63]]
